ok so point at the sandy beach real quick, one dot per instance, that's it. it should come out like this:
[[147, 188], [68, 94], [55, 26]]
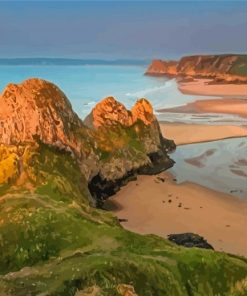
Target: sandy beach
[[157, 205], [206, 87], [221, 106], [196, 133]]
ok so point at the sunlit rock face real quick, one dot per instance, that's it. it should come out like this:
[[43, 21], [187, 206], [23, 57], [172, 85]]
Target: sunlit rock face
[[220, 67], [109, 112], [143, 111], [131, 141], [160, 67], [111, 144], [37, 108]]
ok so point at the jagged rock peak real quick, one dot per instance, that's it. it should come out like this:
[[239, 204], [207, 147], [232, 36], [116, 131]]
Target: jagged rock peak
[[39, 108], [143, 110], [110, 112]]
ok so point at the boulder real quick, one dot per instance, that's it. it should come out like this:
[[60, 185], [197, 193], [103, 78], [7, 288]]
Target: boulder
[[189, 240]]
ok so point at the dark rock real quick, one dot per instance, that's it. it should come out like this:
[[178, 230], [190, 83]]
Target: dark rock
[[101, 189], [161, 179], [159, 163], [122, 220], [189, 240]]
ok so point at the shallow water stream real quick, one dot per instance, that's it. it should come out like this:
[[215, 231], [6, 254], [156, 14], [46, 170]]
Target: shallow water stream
[[220, 165]]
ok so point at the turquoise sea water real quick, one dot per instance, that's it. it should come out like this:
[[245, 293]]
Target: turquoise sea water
[[222, 168], [219, 165], [86, 85]]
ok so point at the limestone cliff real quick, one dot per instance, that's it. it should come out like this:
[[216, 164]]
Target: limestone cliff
[[130, 142], [37, 108], [160, 67], [116, 144], [222, 67]]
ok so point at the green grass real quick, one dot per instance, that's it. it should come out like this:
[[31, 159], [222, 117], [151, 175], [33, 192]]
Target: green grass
[[53, 243], [240, 66]]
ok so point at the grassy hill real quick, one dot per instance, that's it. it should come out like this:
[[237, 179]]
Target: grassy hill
[[52, 242]]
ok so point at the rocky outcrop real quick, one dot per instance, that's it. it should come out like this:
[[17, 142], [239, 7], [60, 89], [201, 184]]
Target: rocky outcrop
[[134, 144], [160, 68], [52, 242], [190, 240], [115, 145], [37, 108], [108, 112], [220, 67]]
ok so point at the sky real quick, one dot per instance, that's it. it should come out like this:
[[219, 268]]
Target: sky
[[121, 29]]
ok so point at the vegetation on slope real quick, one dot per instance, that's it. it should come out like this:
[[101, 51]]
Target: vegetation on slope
[[53, 243]]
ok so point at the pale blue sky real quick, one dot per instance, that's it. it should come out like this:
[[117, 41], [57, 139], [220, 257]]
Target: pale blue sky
[[121, 29]]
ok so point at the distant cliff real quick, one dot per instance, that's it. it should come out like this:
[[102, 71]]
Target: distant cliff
[[221, 67]]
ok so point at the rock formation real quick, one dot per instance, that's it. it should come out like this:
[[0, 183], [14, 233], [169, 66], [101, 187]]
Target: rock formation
[[52, 242], [131, 139], [189, 240], [108, 112], [37, 108], [116, 144], [160, 67], [231, 68]]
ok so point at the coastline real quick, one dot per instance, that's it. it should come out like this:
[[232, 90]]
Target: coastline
[[152, 206], [209, 87], [182, 134], [158, 205], [228, 106]]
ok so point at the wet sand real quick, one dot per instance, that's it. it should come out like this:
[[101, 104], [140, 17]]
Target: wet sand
[[206, 87], [193, 133], [157, 205], [219, 106]]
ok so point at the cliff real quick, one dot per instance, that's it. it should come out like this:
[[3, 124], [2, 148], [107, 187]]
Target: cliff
[[221, 67], [37, 110], [52, 167]]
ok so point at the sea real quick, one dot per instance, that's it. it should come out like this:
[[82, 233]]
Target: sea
[[220, 165]]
